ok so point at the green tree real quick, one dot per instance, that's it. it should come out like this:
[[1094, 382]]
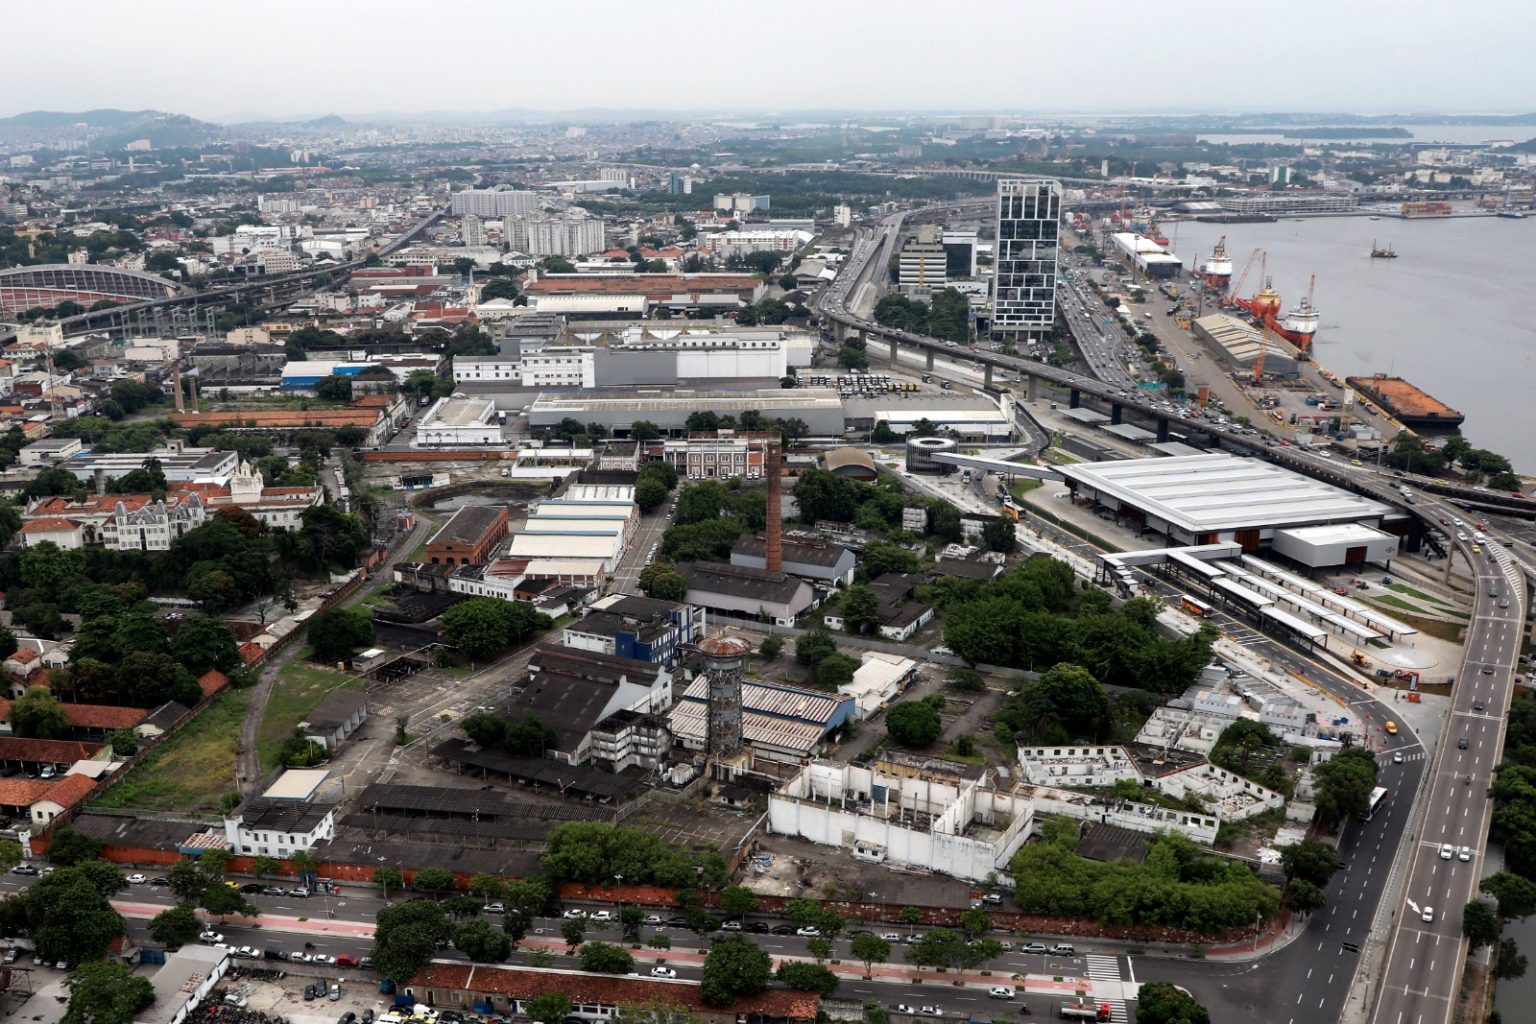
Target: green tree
[[869, 950], [660, 940], [203, 643], [820, 949], [37, 715], [1304, 897], [644, 430], [814, 645], [10, 854], [771, 647], [1479, 924], [663, 582], [336, 387], [69, 916], [913, 723], [574, 931], [1345, 783], [631, 918], [1311, 861], [650, 493], [487, 886], [1160, 1002], [433, 880], [825, 495], [551, 1006], [737, 901], [1000, 535], [222, 901], [808, 977], [1515, 894], [406, 938], [734, 967], [68, 848], [940, 947], [1066, 703], [477, 627], [125, 742], [975, 922], [187, 881], [176, 927], [861, 610], [482, 943], [835, 670], [910, 916], [105, 993], [336, 632], [264, 866], [606, 958]]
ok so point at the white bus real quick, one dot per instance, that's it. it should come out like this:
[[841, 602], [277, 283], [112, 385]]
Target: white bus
[[1378, 797]]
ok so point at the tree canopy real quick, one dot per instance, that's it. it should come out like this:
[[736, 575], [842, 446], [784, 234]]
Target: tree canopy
[[735, 966]]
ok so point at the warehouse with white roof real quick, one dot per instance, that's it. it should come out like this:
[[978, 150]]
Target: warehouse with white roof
[[1215, 498]]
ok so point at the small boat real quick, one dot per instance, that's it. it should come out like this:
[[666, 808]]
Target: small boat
[[1511, 213], [1375, 218], [1378, 253]]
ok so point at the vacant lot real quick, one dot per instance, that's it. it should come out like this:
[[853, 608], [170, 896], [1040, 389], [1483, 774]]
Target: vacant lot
[[193, 770], [298, 688]]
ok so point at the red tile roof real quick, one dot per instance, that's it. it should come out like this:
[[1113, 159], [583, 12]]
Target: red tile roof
[[92, 716], [99, 503], [70, 790], [23, 656], [524, 984], [662, 286], [212, 681], [21, 792], [280, 418], [251, 653], [49, 525], [16, 748]]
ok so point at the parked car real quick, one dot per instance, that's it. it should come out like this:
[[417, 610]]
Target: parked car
[[1033, 947], [136, 879], [891, 936], [299, 893], [652, 919], [574, 913], [323, 958], [663, 972], [495, 908], [299, 957], [904, 1008], [310, 992], [209, 935], [931, 1011], [248, 952], [23, 869], [274, 954], [249, 888], [1063, 949], [271, 890], [782, 929], [346, 960], [731, 926], [335, 992], [808, 931], [757, 927]]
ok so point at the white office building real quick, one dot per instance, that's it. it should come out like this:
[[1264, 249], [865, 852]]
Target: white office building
[[921, 262], [1024, 268], [560, 367]]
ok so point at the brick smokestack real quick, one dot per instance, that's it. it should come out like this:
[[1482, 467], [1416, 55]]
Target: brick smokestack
[[176, 380], [773, 535], [194, 394]]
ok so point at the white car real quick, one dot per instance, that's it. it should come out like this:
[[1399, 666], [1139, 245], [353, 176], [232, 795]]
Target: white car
[[1428, 915], [891, 936], [663, 972], [601, 915], [931, 1011], [495, 908], [1447, 851], [1465, 853], [1000, 992], [299, 958], [904, 1008], [808, 930], [136, 879], [211, 936], [248, 953], [571, 915], [653, 919]]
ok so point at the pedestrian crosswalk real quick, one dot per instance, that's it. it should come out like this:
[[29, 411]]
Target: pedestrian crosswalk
[[1107, 968], [1246, 637]]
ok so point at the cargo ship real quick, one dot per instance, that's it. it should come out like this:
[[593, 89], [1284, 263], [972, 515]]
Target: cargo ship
[[1299, 326], [1427, 208], [1378, 253], [1217, 272], [1408, 404]]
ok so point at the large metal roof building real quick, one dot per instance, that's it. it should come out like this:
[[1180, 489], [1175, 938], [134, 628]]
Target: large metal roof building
[[1214, 498]]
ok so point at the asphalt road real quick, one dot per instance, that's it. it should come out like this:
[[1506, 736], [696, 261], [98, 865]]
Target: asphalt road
[[1421, 975]]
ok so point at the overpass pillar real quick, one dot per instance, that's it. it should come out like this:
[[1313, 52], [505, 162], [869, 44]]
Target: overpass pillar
[[839, 332], [895, 349], [1032, 390], [1074, 398], [986, 376], [1162, 429], [1116, 414], [928, 358]]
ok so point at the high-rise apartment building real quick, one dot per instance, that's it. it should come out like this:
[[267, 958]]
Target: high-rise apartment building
[[472, 228], [564, 236], [493, 202], [1024, 269]]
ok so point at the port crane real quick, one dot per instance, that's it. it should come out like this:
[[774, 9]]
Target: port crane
[[1237, 282]]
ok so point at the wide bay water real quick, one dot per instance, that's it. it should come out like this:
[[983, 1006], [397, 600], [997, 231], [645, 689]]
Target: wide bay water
[[1453, 313], [1457, 134]]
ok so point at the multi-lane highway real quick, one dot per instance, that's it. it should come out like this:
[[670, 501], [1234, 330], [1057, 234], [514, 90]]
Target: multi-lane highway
[[1423, 961], [1421, 975]]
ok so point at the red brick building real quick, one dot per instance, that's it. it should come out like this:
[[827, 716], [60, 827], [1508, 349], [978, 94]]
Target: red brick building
[[471, 537]]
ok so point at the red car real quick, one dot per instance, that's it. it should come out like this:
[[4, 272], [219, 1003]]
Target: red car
[[346, 961]]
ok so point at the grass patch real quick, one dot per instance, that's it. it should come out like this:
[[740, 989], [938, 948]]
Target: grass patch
[[1066, 524], [298, 688], [1061, 458], [1396, 602], [193, 770], [1403, 588], [1019, 488], [417, 553], [1449, 631]]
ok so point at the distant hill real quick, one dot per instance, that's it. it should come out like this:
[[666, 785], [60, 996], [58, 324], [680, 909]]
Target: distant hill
[[107, 128]]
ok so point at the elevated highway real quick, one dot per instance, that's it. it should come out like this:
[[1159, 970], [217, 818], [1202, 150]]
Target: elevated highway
[[1415, 977], [261, 291]]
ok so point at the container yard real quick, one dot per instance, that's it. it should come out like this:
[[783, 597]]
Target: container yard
[[1407, 403]]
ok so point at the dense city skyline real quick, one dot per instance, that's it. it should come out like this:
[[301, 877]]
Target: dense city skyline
[[301, 60]]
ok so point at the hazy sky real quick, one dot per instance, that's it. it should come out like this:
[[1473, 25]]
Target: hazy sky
[[306, 57]]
